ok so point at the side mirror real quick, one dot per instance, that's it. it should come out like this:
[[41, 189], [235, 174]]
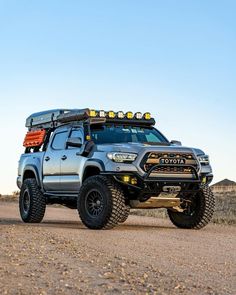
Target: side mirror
[[74, 142], [175, 142]]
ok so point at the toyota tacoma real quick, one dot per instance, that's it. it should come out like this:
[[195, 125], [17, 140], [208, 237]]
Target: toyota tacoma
[[104, 163]]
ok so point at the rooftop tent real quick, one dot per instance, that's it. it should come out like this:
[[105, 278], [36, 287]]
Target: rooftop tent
[[45, 117]]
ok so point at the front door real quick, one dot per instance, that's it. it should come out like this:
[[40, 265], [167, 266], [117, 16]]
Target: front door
[[52, 161]]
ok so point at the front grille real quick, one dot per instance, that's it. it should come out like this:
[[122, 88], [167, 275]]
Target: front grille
[[179, 164], [176, 170]]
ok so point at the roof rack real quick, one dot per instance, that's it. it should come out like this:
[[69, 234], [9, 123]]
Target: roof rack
[[53, 118]]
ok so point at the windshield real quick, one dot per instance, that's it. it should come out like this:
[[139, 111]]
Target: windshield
[[121, 134]]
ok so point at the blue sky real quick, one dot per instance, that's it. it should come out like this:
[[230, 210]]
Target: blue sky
[[173, 58]]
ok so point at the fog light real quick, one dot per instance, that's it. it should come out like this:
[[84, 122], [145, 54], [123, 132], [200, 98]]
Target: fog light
[[204, 179], [126, 178], [134, 181]]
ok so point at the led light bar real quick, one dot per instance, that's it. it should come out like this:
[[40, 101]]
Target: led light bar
[[119, 115]]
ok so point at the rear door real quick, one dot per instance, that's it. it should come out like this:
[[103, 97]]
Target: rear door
[[52, 161], [71, 164]]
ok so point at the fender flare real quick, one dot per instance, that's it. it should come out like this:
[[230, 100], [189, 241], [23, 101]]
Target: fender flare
[[95, 162], [92, 163], [33, 169]]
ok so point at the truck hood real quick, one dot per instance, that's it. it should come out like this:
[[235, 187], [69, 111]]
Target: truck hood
[[138, 148]]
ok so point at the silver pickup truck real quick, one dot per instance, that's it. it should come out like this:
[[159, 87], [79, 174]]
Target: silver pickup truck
[[104, 163]]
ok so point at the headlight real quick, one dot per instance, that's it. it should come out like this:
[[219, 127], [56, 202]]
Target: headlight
[[121, 157], [204, 159]]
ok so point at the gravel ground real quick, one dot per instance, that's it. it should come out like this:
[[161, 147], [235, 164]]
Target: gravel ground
[[143, 256]]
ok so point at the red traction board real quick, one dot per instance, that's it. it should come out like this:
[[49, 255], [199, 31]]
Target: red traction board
[[34, 138]]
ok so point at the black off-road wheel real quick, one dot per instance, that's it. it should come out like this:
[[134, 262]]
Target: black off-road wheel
[[198, 212], [100, 203], [32, 203], [125, 214]]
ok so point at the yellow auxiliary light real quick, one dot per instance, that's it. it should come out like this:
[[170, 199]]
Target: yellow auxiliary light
[[88, 137], [126, 178], [129, 115], [102, 114], [147, 116], [138, 115], [92, 113], [111, 114], [120, 115], [134, 181], [204, 180]]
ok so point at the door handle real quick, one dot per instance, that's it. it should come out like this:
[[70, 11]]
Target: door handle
[[47, 158], [64, 157]]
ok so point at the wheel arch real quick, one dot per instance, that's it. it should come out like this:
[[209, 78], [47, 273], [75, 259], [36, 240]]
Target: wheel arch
[[91, 170], [31, 171]]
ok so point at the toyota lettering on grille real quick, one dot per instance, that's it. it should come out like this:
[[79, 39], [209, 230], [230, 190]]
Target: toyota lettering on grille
[[172, 161]]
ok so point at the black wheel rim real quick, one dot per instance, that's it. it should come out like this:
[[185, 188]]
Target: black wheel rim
[[94, 203], [26, 201], [192, 206]]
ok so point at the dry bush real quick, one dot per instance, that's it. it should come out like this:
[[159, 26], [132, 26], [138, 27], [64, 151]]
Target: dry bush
[[225, 208], [9, 198]]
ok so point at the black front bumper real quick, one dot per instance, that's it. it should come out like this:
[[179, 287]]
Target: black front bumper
[[147, 185]]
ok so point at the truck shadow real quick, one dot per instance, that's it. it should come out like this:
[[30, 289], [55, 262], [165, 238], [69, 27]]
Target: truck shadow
[[67, 224]]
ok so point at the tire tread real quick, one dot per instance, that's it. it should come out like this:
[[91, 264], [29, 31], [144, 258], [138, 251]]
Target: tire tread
[[204, 216], [37, 199]]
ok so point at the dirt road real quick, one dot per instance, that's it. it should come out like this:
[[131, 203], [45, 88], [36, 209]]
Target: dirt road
[[142, 256]]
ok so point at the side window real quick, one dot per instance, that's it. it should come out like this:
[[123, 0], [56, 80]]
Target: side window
[[152, 138], [76, 133], [59, 140]]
